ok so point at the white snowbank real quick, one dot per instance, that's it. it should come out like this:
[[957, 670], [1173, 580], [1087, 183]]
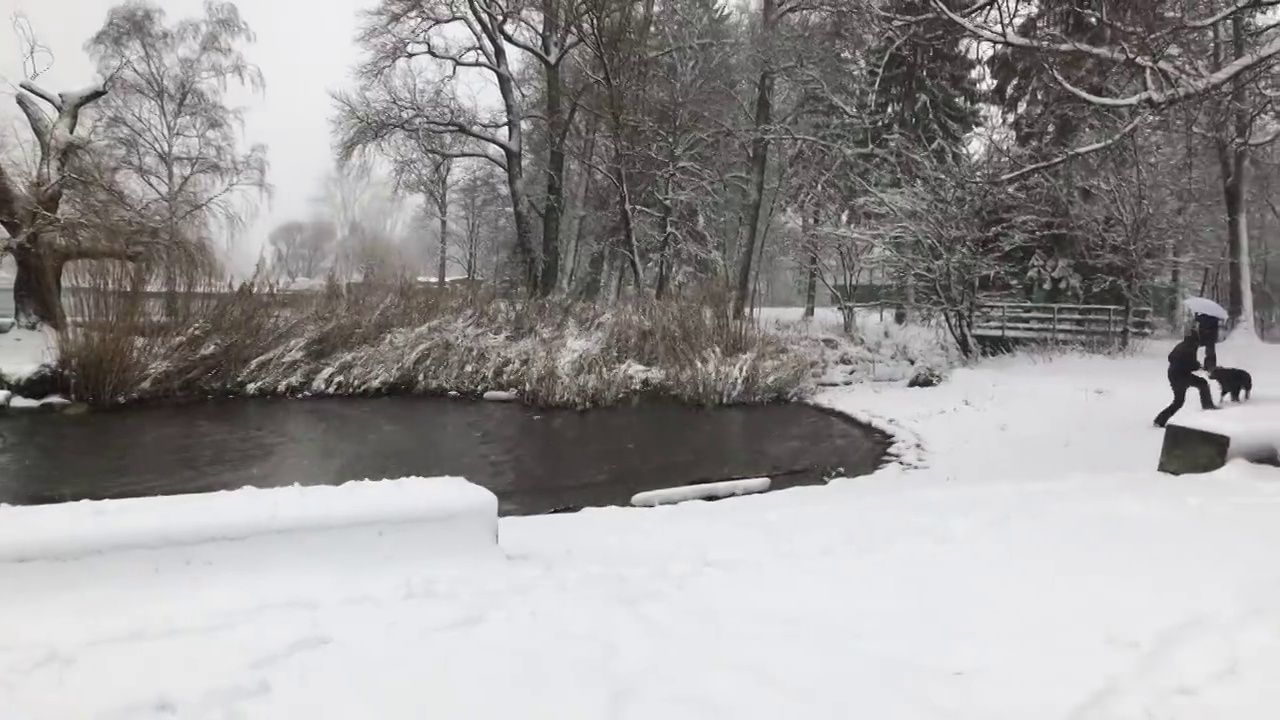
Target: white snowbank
[[22, 352], [701, 491], [1254, 427], [1032, 565], [458, 515]]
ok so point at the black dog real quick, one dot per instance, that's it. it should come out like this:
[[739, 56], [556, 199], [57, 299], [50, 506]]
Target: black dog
[[1231, 381]]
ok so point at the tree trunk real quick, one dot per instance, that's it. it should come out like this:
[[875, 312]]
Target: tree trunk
[[37, 289], [594, 281], [473, 248], [556, 135], [1233, 195], [807, 225], [579, 214], [442, 210], [1240, 257], [520, 219], [668, 235], [759, 165], [626, 218], [1234, 159]]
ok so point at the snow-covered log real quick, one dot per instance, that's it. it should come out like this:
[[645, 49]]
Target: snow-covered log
[[702, 491]]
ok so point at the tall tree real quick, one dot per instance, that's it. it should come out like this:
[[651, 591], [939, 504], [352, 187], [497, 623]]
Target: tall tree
[[167, 126], [1168, 53], [302, 249], [38, 240], [924, 87], [489, 40]]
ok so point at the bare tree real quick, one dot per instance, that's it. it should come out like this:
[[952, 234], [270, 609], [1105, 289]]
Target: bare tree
[[616, 32], [302, 249], [379, 124], [479, 200], [370, 219], [951, 235], [166, 123], [485, 39]]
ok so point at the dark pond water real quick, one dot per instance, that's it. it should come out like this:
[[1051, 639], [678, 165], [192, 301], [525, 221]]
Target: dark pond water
[[535, 461]]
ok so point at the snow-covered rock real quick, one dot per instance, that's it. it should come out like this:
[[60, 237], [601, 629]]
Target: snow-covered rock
[[500, 396], [924, 377], [427, 516], [23, 352]]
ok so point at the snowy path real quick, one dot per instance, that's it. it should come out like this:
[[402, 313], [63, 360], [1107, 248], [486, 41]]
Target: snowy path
[[1036, 567]]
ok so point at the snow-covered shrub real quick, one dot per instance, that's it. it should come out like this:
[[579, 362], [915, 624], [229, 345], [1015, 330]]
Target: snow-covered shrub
[[408, 339], [878, 350]]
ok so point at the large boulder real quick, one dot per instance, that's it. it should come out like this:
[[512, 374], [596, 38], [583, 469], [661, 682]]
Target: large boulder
[[45, 381], [1193, 450], [1187, 450]]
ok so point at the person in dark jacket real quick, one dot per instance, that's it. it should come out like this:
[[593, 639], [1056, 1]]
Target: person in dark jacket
[[1182, 376], [1207, 329]]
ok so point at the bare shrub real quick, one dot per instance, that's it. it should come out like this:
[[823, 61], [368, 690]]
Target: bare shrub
[[404, 337], [102, 349]]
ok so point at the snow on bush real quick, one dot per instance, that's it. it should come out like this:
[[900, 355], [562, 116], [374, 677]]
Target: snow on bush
[[407, 340], [879, 349]]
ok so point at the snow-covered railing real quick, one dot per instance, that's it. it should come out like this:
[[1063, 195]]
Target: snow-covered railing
[[1057, 323]]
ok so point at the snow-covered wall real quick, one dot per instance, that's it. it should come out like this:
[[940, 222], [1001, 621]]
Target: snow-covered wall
[[429, 516]]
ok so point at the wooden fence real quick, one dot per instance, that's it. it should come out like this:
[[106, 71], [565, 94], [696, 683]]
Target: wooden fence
[[1059, 323]]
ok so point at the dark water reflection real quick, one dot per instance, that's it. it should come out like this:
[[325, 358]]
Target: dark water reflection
[[535, 461]]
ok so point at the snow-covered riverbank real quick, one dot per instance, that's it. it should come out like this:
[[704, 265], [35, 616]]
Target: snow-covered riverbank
[[1025, 561]]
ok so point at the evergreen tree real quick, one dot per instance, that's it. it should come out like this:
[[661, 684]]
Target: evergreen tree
[[924, 87]]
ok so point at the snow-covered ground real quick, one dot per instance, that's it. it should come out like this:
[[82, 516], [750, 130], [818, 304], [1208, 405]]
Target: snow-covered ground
[[1023, 561]]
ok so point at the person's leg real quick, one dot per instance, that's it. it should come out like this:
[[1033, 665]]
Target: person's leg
[[1179, 397], [1202, 386]]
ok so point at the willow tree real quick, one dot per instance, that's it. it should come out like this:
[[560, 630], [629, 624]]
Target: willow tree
[[39, 242], [169, 130]]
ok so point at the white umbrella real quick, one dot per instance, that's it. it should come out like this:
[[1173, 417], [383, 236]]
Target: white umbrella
[[1205, 306]]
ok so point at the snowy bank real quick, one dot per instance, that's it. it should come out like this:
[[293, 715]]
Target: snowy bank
[[1032, 566], [1253, 428], [23, 352], [435, 515]]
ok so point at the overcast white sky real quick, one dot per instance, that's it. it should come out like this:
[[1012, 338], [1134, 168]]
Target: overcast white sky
[[304, 47]]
